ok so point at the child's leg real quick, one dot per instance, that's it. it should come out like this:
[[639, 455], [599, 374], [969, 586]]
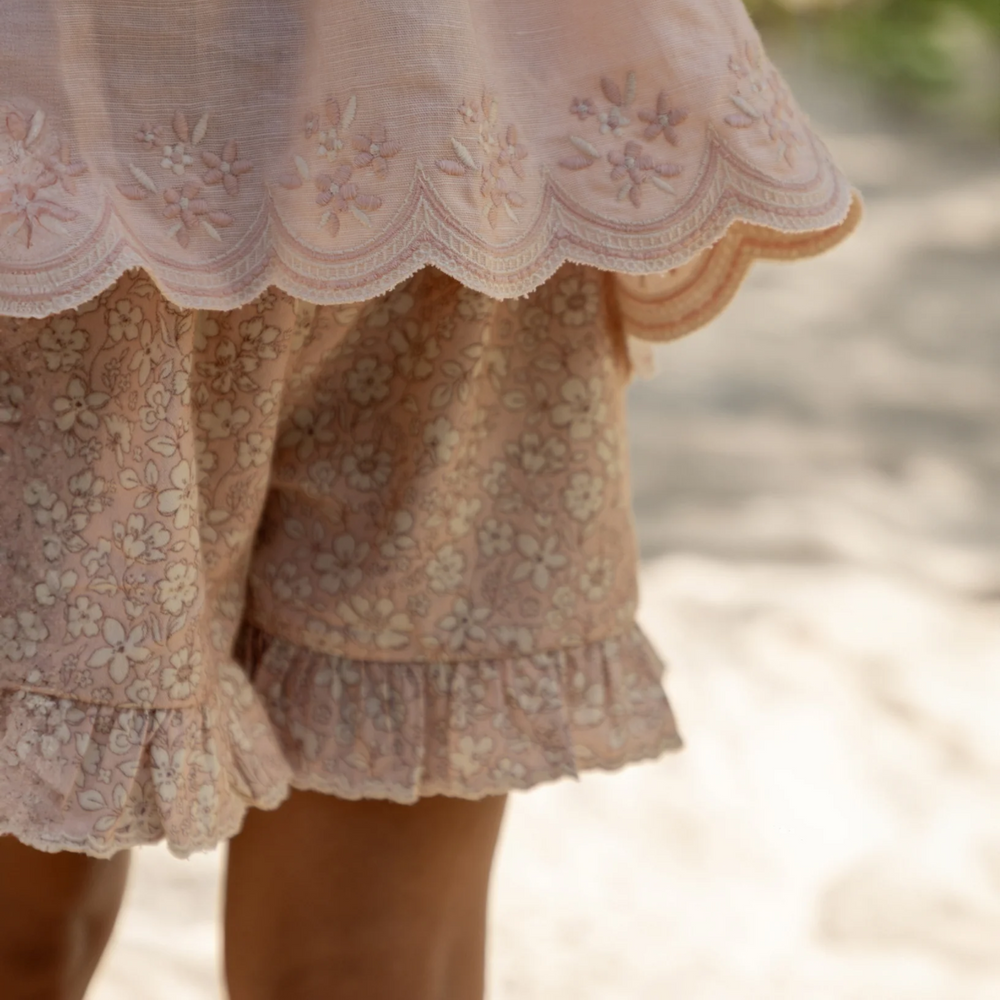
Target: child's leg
[[360, 900], [56, 915]]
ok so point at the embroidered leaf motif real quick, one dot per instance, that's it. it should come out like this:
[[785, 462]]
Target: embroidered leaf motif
[[180, 126], [143, 178], [361, 216], [368, 202], [662, 184], [739, 121], [463, 154], [200, 129], [452, 167], [746, 107], [629, 88], [134, 192], [611, 90], [584, 146], [16, 126], [350, 111], [576, 162], [211, 230], [37, 121], [220, 218]]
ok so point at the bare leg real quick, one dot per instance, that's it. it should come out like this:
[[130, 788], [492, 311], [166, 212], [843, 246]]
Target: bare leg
[[360, 900], [57, 912]]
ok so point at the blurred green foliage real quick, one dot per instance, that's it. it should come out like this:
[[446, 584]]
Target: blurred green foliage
[[904, 44]]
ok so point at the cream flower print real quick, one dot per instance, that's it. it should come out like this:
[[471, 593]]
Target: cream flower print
[[445, 570], [11, 399], [576, 301], [288, 583], [533, 454], [308, 431], [375, 622], [168, 771], [582, 409], [441, 438], [77, 410], [495, 538], [124, 321], [20, 635], [464, 624], [597, 578], [341, 569], [176, 500], [124, 649], [253, 451], [366, 468], [141, 541], [83, 617], [584, 496], [63, 343], [178, 590], [539, 560], [471, 755], [368, 381], [181, 676], [223, 420]]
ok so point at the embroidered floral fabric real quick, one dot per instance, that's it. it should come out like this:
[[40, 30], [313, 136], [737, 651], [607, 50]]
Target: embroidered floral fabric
[[334, 147], [379, 550]]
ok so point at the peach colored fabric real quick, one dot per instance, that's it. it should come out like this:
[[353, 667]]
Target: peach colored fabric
[[380, 550], [333, 147]]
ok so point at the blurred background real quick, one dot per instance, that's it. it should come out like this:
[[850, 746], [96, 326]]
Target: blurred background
[[817, 494]]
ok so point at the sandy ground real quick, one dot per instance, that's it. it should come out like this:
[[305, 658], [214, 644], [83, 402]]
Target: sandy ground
[[817, 481]]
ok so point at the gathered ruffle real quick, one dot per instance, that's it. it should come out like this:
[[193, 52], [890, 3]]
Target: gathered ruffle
[[92, 778], [466, 728], [99, 778]]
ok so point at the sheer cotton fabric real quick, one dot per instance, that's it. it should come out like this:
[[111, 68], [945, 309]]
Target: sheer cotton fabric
[[333, 147]]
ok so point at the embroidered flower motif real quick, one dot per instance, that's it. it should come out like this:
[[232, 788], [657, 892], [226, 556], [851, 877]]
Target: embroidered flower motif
[[629, 164], [502, 151], [337, 192], [663, 119], [226, 169], [639, 167], [340, 194], [613, 119], [187, 203], [761, 97], [375, 150], [31, 209], [150, 135], [329, 139]]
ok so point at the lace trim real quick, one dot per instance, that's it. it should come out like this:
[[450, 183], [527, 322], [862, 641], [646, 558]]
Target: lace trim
[[728, 191]]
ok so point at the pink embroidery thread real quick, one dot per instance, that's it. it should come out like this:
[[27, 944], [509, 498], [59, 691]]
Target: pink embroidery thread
[[186, 206], [630, 165], [337, 192], [502, 151], [33, 160]]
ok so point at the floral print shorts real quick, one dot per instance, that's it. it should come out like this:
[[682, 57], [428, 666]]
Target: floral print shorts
[[383, 550]]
